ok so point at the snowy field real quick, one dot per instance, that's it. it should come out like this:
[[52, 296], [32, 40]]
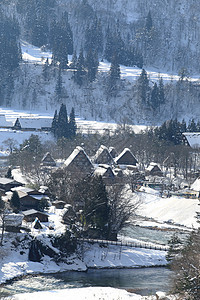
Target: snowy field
[[84, 126]]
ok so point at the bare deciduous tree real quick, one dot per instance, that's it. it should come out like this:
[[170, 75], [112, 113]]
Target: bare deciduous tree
[[122, 209]]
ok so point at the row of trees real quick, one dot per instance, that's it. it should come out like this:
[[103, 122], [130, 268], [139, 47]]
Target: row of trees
[[61, 126], [172, 130], [154, 96]]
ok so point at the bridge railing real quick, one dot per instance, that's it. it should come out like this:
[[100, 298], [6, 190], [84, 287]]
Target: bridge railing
[[126, 244]]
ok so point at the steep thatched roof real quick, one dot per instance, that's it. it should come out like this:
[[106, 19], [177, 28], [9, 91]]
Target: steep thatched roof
[[103, 156], [126, 157], [79, 161]]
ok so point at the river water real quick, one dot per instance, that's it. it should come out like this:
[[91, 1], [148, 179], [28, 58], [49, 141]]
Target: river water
[[144, 281]]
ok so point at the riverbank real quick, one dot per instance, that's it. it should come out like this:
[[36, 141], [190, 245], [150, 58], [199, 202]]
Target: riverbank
[[14, 259]]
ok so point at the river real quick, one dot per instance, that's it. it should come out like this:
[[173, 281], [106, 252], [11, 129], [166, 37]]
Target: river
[[144, 281]]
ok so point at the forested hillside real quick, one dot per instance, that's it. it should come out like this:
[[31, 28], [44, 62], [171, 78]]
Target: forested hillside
[[145, 34]]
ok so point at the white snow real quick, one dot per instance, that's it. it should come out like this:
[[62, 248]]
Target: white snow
[[180, 211], [89, 293]]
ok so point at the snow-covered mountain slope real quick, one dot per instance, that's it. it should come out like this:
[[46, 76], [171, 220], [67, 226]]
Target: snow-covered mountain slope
[[176, 28], [91, 102], [174, 45]]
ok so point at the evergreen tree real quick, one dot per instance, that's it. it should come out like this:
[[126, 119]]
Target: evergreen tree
[[9, 46], [80, 71], [155, 96], [45, 70], [72, 124], [61, 41], [183, 126], [62, 124], [94, 37], [15, 201], [114, 76], [161, 91], [92, 65], [54, 125], [143, 86], [192, 126]]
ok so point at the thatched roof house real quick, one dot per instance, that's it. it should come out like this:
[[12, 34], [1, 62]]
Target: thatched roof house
[[103, 156], [48, 160], [79, 162], [105, 171], [154, 170], [126, 157]]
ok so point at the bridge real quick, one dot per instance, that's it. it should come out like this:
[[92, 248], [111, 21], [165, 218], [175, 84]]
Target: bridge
[[141, 244]]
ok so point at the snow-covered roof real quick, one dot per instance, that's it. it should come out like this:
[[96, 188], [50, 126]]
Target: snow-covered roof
[[152, 166], [4, 122], [48, 160], [33, 211], [196, 185], [126, 157], [193, 139], [102, 170], [78, 159], [103, 156], [4, 180], [22, 189], [35, 123]]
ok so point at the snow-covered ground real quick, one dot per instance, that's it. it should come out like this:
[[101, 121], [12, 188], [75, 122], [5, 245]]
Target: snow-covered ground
[[84, 126], [90, 293], [168, 211]]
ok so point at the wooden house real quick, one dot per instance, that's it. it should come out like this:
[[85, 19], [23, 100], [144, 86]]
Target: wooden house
[[27, 201], [106, 172], [154, 170], [103, 156], [48, 160], [126, 157], [7, 184], [78, 162], [32, 214]]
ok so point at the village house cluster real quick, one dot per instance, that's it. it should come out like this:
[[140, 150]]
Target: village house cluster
[[115, 168]]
